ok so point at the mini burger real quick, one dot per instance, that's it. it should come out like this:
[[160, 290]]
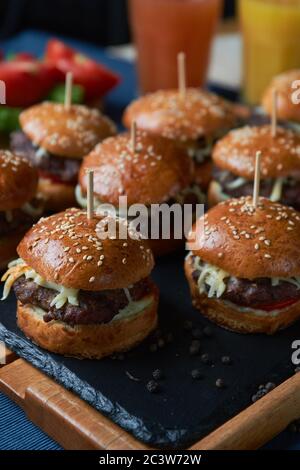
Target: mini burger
[[194, 121], [81, 294], [55, 138], [234, 165], [244, 265], [19, 204], [287, 110], [155, 171]]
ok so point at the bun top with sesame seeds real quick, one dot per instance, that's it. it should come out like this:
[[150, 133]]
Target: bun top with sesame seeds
[[167, 113], [65, 132], [18, 181], [247, 242], [69, 250], [280, 155], [154, 172], [282, 83]]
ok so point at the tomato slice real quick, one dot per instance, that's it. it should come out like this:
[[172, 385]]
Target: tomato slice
[[94, 77], [276, 305], [27, 81]]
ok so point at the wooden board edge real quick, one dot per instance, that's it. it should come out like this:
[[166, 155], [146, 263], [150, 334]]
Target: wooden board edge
[[76, 425]]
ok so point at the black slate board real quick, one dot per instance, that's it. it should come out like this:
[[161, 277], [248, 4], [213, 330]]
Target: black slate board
[[185, 410]]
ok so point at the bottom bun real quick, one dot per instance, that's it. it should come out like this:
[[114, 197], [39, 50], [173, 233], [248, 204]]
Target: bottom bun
[[203, 174], [58, 196], [87, 341], [229, 316], [8, 245]]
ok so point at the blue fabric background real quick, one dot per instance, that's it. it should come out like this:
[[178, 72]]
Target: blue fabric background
[[16, 431]]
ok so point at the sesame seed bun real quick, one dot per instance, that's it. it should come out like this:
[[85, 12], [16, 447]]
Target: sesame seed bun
[[229, 316], [88, 341], [286, 109], [280, 155], [250, 243], [57, 196], [18, 181], [66, 249], [166, 113], [65, 132], [156, 172]]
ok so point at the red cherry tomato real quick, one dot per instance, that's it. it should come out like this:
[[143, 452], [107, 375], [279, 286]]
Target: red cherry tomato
[[94, 77]]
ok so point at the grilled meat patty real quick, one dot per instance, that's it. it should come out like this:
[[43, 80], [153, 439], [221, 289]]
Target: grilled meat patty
[[254, 293], [63, 169], [93, 308]]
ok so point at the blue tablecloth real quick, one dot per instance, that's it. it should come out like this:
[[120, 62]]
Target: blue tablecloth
[[16, 431]]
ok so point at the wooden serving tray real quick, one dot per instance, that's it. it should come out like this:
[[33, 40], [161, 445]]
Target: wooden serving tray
[[76, 425]]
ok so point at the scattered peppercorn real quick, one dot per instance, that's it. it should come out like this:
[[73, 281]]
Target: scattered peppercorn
[[262, 391], [226, 360], [205, 358], [207, 331], [196, 374], [220, 383], [195, 347], [158, 374], [152, 386]]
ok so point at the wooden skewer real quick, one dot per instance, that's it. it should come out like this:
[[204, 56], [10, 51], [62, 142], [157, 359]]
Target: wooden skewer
[[68, 90], [90, 194], [133, 136], [274, 113], [256, 178], [181, 73]]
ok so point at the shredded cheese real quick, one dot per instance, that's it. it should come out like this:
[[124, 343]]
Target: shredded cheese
[[275, 195], [195, 189], [211, 279], [19, 268], [210, 276], [277, 190], [236, 183], [31, 210], [82, 201]]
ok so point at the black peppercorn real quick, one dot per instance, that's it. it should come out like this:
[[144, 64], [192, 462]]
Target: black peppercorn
[[152, 386]]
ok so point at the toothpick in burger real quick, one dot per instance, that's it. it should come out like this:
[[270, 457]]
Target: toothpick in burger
[[149, 171], [234, 165], [80, 294], [243, 268], [55, 138], [194, 122], [20, 205]]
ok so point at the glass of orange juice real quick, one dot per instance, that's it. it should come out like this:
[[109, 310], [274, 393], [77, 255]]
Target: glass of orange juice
[[163, 28], [271, 42]]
